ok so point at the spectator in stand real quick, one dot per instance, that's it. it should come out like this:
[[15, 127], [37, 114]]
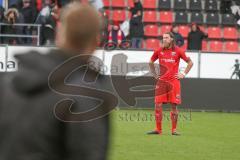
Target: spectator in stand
[[29, 15], [1, 13], [12, 17], [195, 37], [136, 24], [235, 8], [98, 4], [1, 20], [179, 41], [116, 35], [104, 29], [19, 4], [47, 19]]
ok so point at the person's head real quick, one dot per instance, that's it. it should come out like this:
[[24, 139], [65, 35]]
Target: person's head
[[115, 25], [47, 2], [11, 15], [175, 29], [80, 27], [136, 1], [26, 3], [168, 40], [194, 27], [236, 60]]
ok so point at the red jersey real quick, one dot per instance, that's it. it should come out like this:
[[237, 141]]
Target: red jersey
[[169, 61]]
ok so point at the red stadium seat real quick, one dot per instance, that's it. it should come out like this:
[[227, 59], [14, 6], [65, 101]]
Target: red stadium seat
[[214, 32], [230, 33], [151, 30], [231, 46], [184, 30], [149, 4], [106, 3], [204, 46], [119, 15], [107, 12], [215, 46], [164, 29], [118, 3], [152, 44], [150, 16], [202, 28], [166, 17], [130, 3]]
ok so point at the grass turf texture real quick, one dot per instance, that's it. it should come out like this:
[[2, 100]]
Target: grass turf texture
[[204, 136]]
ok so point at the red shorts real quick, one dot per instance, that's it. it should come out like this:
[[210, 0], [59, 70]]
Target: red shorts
[[168, 92]]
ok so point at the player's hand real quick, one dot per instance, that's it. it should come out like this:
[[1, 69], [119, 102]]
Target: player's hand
[[156, 77], [180, 76]]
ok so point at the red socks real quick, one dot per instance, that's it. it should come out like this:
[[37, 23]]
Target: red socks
[[158, 118], [174, 118]]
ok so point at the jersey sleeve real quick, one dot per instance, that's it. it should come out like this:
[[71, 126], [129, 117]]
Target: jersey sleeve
[[154, 56], [183, 55]]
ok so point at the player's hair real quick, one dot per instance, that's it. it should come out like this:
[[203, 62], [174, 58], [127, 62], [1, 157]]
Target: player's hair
[[172, 36], [80, 24]]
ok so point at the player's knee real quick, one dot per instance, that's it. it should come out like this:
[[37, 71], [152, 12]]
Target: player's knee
[[158, 106], [174, 108]]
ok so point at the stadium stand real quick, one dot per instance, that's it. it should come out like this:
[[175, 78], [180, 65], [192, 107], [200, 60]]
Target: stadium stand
[[164, 4], [181, 18], [180, 5], [149, 4], [151, 31], [211, 6], [152, 43], [197, 17], [195, 5], [159, 15]]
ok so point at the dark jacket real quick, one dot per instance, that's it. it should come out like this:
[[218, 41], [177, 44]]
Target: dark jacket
[[29, 14], [136, 24], [136, 27], [36, 122], [195, 40], [178, 39]]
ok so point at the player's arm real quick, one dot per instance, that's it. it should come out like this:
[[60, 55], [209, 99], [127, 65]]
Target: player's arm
[[189, 65], [152, 69], [151, 65]]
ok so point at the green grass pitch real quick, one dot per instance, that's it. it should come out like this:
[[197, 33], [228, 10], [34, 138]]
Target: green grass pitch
[[204, 136]]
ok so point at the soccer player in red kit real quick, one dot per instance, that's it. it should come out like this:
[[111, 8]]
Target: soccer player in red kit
[[168, 88]]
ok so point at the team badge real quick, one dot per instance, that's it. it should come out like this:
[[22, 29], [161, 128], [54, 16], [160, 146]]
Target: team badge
[[173, 53]]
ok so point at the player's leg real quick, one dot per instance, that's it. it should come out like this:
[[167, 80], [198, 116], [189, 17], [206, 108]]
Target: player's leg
[[158, 117], [232, 75], [160, 98], [174, 118], [174, 100]]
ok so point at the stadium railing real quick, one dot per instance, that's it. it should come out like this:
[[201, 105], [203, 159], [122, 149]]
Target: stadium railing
[[35, 26]]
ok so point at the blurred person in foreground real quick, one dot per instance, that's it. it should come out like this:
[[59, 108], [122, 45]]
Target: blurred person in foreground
[[168, 89], [195, 38], [50, 109]]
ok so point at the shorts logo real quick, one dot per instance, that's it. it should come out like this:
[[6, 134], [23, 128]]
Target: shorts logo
[[178, 96], [161, 53]]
